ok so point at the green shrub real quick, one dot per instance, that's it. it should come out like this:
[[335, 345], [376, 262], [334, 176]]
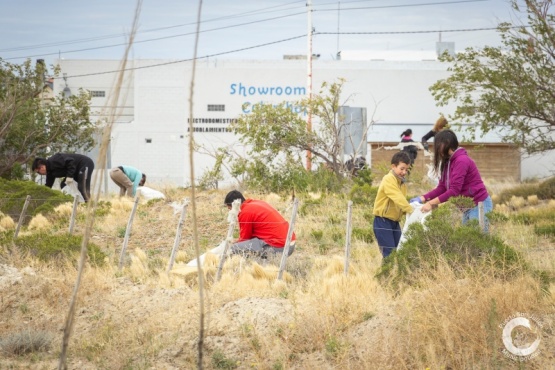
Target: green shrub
[[53, 248], [43, 199], [497, 217], [544, 190], [317, 234], [220, 361], [368, 216], [337, 235], [103, 208], [462, 247], [534, 216], [363, 194], [309, 205], [323, 249], [548, 230], [366, 235], [363, 177], [334, 220]]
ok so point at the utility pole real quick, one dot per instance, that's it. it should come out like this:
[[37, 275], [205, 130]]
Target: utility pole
[[309, 81]]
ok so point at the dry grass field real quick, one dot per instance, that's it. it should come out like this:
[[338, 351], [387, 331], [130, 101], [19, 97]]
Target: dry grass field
[[315, 318]]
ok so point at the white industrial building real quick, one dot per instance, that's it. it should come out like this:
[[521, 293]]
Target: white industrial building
[[152, 124]]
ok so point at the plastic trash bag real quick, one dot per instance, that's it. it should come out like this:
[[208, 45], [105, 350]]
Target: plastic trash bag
[[72, 190], [416, 216], [149, 193], [218, 251], [432, 177]]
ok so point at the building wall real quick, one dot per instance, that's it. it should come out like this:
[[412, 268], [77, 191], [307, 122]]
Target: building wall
[[499, 162], [152, 130]]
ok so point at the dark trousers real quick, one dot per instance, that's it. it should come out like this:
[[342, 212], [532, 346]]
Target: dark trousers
[[388, 234]]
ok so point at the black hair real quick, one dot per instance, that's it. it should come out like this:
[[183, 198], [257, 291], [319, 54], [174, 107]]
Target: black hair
[[444, 141], [37, 163], [143, 178], [400, 157], [407, 132], [233, 195]]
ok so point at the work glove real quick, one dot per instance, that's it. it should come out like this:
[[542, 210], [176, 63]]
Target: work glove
[[416, 200], [69, 181]]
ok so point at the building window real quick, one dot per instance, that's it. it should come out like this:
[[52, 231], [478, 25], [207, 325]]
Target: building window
[[148, 140], [216, 107], [98, 94]]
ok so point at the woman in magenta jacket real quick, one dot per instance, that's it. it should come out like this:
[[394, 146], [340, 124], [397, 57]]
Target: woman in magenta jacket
[[458, 176]]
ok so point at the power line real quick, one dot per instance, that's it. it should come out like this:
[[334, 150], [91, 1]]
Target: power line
[[253, 12], [185, 60], [409, 32], [402, 5], [281, 41], [154, 39], [77, 41]]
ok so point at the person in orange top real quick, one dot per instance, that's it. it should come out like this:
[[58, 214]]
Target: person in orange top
[[262, 229]]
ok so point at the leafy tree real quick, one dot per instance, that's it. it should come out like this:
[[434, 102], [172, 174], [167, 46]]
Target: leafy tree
[[33, 123], [277, 139], [509, 87]]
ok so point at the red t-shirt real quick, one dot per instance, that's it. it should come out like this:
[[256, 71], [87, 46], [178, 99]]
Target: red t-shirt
[[258, 219]]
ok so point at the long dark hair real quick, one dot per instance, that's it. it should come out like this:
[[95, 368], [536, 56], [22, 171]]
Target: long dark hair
[[407, 132], [444, 141]]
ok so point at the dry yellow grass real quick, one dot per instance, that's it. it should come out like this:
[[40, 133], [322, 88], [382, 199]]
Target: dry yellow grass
[[64, 209], [516, 202], [316, 317], [39, 222], [6, 223], [532, 200]]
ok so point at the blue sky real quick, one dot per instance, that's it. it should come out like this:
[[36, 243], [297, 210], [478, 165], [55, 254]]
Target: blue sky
[[96, 29]]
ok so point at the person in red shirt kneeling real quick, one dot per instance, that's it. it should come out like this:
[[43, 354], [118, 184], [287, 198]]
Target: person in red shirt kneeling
[[262, 229]]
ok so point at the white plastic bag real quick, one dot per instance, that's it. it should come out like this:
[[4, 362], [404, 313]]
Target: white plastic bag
[[149, 193], [72, 190], [218, 251], [432, 177], [416, 216]]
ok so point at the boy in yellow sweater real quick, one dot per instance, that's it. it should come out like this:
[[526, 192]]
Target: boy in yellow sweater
[[391, 204]]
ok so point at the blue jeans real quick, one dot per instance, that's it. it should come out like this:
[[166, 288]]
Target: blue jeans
[[472, 214], [388, 234]]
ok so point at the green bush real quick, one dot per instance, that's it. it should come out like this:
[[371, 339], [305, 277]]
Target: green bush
[[548, 230], [463, 248], [220, 361], [309, 205], [283, 177], [540, 215], [544, 190], [363, 194], [43, 199], [317, 234], [364, 176], [53, 248], [366, 235], [497, 217]]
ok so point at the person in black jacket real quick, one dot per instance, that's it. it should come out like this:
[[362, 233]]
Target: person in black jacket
[[440, 124], [74, 167]]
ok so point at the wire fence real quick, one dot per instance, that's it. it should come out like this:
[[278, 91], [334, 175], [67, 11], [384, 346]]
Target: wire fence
[[23, 210]]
